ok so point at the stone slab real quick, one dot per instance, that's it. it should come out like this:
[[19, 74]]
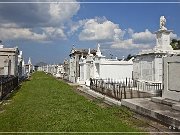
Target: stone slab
[[164, 101], [171, 77], [164, 113], [176, 107], [157, 99]]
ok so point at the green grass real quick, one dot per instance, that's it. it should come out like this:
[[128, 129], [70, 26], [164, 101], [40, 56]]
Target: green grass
[[45, 104]]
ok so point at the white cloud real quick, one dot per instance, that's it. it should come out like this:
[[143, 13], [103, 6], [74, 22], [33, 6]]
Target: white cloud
[[52, 32], [47, 34], [75, 26], [130, 32], [43, 15], [61, 12], [122, 44], [144, 37], [128, 44], [173, 36], [49, 20], [110, 34], [139, 40], [20, 33], [8, 25], [100, 29]]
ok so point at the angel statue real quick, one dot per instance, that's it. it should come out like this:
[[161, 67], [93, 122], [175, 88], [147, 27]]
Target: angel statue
[[162, 23]]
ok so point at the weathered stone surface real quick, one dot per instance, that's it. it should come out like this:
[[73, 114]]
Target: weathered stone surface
[[158, 111], [171, 78], [176, 107], [164, 101]]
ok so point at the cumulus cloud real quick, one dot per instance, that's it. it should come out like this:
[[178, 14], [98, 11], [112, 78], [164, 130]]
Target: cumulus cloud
[[144, 37], [100, 29], [75, 26], [173, 36], [130, 32], [20, 33], [38, 14], [128, 44], [63, 11], [12, 31], [110, 34], [137, 40], [54, 33], [19, 20]]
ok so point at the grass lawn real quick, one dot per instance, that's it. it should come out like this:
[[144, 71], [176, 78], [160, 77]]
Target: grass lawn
[[45, 104]]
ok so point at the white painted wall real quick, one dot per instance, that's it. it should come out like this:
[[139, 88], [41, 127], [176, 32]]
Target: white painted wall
[[116, 71], [148, 68]]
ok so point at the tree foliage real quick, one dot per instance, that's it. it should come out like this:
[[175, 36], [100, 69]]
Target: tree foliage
[[129, 57], [175, 44]]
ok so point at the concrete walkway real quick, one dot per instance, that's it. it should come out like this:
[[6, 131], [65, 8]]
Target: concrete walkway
[[145, 106], [158, 111], [106, 99], [136, 105]]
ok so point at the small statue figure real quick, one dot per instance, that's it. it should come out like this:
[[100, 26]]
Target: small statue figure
[[162, 23], [98, 47], [89, 51]]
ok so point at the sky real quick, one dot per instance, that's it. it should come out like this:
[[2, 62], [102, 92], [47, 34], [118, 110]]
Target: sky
[[46, 32]]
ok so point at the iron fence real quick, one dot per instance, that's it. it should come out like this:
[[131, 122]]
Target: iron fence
[[7, 84], [125, 88]]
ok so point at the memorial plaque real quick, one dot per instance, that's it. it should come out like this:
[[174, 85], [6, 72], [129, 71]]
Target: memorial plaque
[[174, 76], [171, 79]]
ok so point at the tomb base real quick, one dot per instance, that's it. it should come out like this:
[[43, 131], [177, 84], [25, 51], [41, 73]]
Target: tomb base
[[165, 101]]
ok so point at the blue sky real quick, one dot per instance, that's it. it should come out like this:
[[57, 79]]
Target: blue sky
[[47, 32]]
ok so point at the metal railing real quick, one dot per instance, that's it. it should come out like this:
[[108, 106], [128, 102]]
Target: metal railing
[[126, 88], [7, 84]]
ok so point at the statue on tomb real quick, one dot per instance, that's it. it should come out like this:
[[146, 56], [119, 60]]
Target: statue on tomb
[[98, 52], [98, 47], [29, 61], [89, 51], [162, 23]]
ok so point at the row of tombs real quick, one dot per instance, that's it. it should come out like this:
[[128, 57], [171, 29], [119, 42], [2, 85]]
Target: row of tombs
[[148, 67], [154, 71], [146, 71]]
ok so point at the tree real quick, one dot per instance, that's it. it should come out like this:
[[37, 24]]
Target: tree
[[129, 57], [175, 44]]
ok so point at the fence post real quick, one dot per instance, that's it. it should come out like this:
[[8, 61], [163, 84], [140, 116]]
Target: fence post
[[124, 92], [1, 90], [114, 90], [126, 81], [138, 89], [130, 89], [120, 90], [96, 84], [102, 85]]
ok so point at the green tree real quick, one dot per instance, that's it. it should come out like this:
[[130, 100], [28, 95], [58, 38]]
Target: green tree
[[175, 44], [129, 57]]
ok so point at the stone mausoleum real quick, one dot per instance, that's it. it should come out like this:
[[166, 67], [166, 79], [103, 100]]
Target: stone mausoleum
[[74, 67], [99, 67], [9, 61], [147, 65]]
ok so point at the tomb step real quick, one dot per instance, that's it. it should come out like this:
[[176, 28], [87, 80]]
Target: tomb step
[[176, 107], [165, 101], [158, 111]]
